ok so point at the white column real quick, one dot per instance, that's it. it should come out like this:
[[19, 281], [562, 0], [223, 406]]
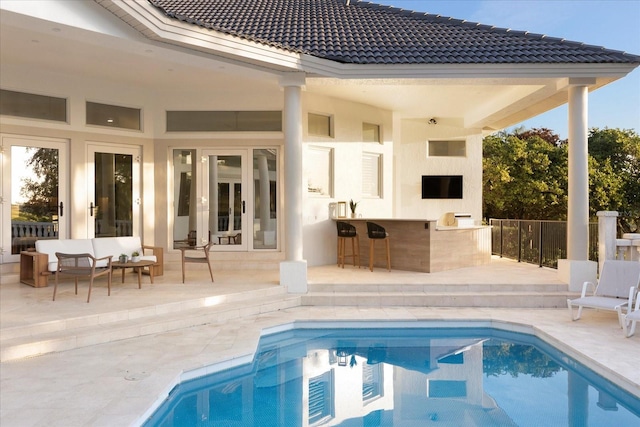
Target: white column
[[577, 268], [578, 212], [293, 271]]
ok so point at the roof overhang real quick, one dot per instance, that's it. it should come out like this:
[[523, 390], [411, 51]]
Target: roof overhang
[[474, 96]]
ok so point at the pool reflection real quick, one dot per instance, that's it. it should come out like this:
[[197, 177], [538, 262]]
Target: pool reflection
[[386, 377]]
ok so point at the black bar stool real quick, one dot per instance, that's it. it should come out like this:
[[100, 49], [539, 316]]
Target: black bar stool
[[347, 231], [377, 232]]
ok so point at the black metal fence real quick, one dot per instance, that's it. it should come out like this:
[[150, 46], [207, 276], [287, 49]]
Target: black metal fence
[[536, 242]]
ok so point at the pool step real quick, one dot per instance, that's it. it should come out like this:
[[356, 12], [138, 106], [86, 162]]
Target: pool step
[[68, 334], [434, 295]]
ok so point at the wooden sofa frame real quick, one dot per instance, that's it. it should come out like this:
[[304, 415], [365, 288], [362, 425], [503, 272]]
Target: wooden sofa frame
[[34, 265]]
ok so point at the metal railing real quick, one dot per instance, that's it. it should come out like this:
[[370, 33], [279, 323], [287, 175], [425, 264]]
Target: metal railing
[[536, 242]]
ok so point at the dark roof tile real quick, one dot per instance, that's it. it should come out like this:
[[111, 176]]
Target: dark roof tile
[[368, 33]]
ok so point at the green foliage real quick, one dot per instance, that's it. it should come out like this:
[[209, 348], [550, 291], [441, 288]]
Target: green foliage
[[526, 174], [516, 359], [41, 193], [615, 174]]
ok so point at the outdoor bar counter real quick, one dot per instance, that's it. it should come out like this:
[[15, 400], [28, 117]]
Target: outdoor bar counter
[[422, 245]]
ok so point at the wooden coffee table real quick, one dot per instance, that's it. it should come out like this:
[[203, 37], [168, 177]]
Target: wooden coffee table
[[139, 265]]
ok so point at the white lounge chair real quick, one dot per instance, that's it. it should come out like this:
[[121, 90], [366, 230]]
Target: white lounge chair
[[630, 319], [612, 292]]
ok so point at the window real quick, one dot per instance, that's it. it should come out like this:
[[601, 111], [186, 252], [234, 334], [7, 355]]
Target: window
[[370, 133], [265, 202], [447, 148], [372, 175], [321, 398], [446, 388], [320, 171], [371, 381], [320, 125], [20, 104], [224, 121], [113, 116]]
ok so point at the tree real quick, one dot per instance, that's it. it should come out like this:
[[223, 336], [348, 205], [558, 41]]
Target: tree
[[41, 191], [501, 358], [615, 173], [525, 175]]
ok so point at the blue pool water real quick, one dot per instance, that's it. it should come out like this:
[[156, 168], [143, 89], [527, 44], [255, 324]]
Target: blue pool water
[[372, 377]]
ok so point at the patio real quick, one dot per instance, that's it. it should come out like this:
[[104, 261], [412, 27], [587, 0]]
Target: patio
[[124, 352]]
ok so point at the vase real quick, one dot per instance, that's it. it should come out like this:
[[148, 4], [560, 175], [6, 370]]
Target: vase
[[123, 259], [354, 215], [135, 259]]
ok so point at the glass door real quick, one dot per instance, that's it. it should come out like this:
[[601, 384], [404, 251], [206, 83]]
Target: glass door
[[31, 182], [114, 191], [227, 197], [225, 203]]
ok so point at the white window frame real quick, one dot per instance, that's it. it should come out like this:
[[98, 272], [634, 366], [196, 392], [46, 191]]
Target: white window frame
[[371, 164], [449, 150], [320, 171], [330, 124], [377, 129]]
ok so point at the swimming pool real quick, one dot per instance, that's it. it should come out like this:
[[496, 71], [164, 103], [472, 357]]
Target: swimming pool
[[390, 376]]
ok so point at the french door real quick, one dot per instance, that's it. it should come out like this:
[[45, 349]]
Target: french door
[[113, 190], [224, 213], [218, 198], [34, 193]]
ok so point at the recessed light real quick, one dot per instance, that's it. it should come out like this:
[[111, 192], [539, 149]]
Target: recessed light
[[56, 29], [109, 120]]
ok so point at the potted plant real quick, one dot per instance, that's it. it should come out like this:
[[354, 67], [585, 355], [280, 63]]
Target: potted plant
[[353, 205], [135, 256], [123, 258]]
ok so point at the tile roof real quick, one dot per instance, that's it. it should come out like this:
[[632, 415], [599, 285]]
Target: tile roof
[[361, 32]]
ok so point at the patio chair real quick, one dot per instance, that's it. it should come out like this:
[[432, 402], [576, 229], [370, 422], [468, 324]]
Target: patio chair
[[630, 319], [196, 254], [612, 291], [83, 265]]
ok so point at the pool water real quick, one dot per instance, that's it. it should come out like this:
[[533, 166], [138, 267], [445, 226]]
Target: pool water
[[371, 377]]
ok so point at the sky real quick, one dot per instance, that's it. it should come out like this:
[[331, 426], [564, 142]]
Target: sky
[[613, 24]]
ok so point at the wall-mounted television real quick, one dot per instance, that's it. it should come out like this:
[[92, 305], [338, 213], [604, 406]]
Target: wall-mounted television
[[442, 186]]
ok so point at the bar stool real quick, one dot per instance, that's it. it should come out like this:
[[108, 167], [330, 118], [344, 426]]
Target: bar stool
[[377, 232], [347, 231]]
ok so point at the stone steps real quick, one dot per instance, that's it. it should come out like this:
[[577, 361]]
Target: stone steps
[[68, 334], [434, 295]]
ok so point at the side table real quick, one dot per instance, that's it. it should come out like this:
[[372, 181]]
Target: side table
[[139, 264]]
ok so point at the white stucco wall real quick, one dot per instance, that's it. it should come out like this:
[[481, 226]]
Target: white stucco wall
[[411, 153], [319, 229]]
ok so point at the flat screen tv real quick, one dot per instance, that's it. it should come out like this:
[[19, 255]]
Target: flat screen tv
[[442, 186]]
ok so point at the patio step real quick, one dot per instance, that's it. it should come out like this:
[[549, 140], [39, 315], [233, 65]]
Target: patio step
[[435, 295], [55, 336]]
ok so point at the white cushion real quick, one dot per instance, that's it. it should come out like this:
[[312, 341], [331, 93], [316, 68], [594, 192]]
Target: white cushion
[[67, 246], [115, 246]]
